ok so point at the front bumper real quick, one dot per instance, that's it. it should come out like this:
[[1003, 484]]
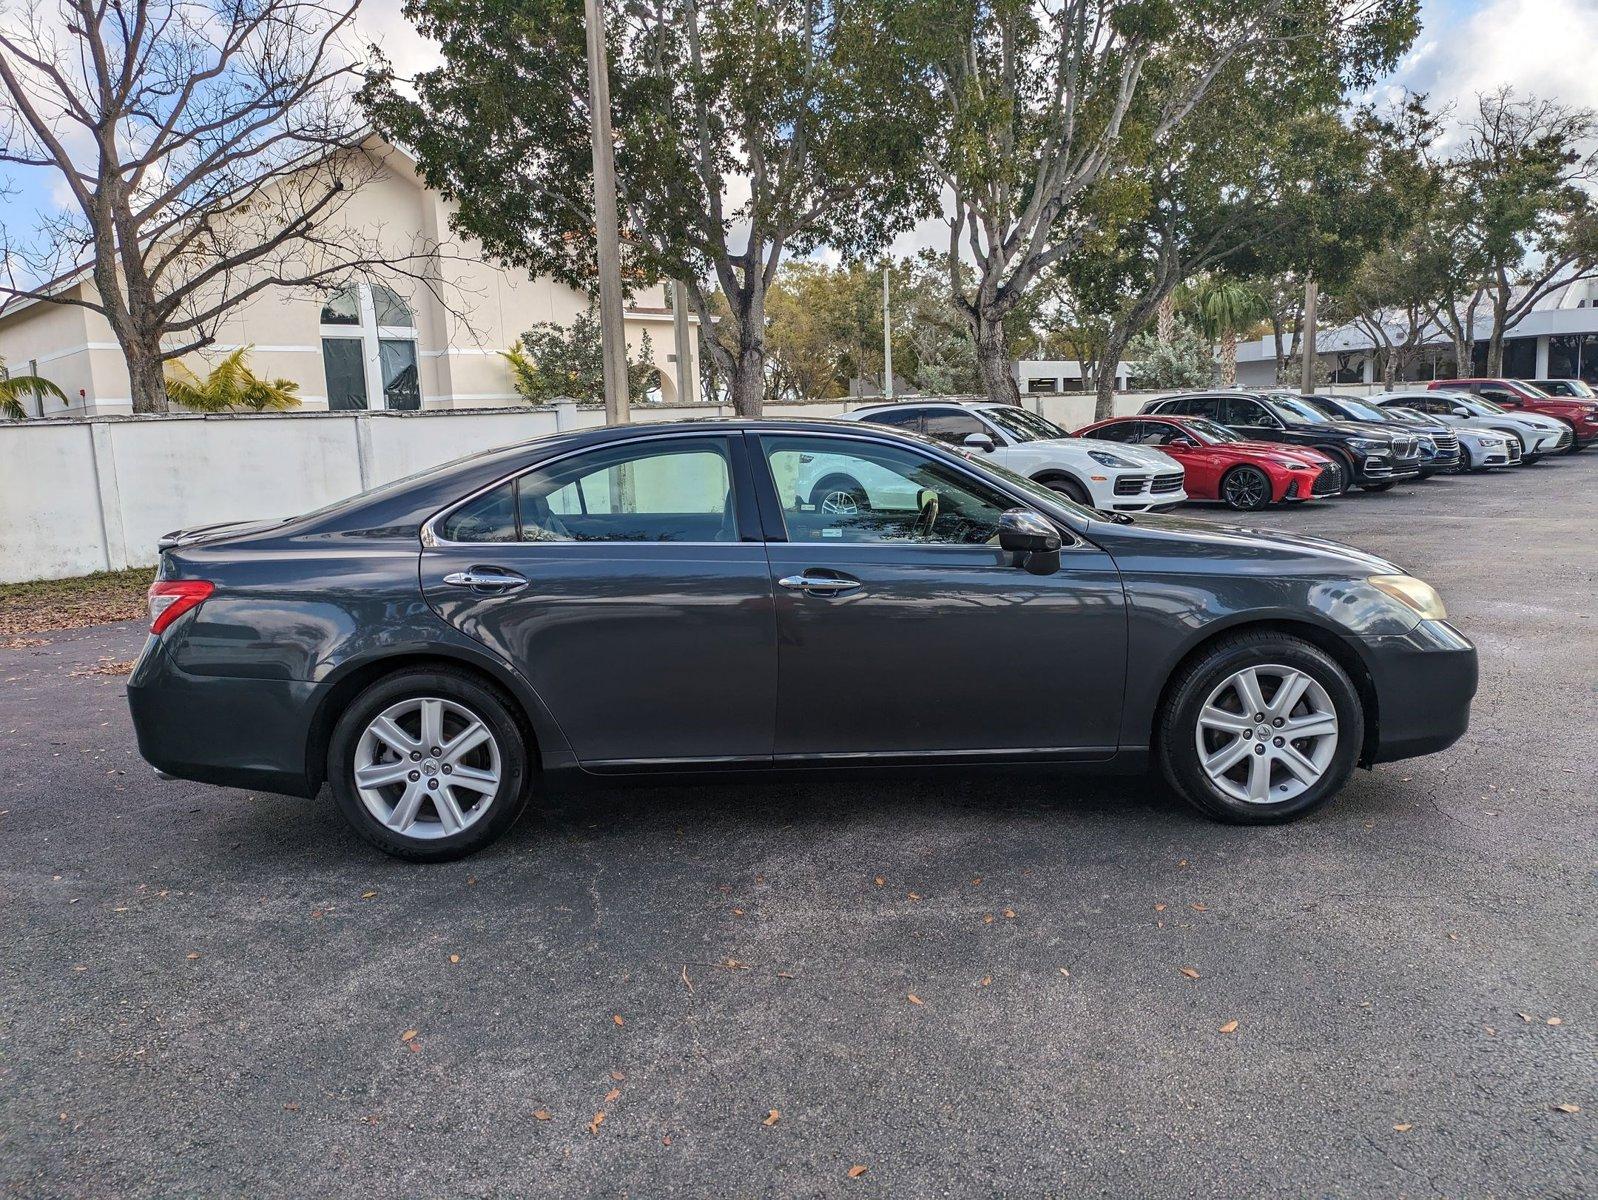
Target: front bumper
[[1424, 681]]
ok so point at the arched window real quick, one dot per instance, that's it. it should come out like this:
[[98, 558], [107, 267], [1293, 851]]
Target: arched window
[[369, 349]]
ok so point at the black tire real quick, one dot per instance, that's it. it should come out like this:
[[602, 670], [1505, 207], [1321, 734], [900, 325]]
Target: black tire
[[1246, 489], [1069, 488], [840, 485], [484, 702], [1466, 463], [1377, 487], [1177, 725]]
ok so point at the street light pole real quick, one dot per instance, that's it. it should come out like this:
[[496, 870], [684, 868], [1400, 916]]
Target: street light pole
[[1307, 339], [612, 332], [887, 340]]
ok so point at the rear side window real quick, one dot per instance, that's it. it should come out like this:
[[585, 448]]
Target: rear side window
[[676, 490], [1122, 432], [898, 419]]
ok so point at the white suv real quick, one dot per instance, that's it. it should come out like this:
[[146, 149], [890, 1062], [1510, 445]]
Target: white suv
[[1111, 476]]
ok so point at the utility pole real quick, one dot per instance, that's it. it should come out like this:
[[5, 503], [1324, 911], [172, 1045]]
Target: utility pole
[[685, 349], [612, 332], [1307, 339], [887, 340]]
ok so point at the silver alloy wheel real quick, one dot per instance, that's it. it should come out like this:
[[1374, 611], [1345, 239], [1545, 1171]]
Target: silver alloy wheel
[[427, 768], [840, 503], [1266, 734]]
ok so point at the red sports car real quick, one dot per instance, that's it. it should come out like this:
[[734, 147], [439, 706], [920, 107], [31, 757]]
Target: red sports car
[[1220, 465]]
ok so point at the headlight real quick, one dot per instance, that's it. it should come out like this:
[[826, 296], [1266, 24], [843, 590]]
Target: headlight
[[1414, 594], [1290, 465], [1370, 446], [1105, 459]]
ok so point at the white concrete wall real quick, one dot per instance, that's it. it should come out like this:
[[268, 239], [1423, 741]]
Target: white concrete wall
[[84, 495]]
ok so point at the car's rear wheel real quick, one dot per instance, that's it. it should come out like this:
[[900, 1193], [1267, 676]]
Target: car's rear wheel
[[1246, 489], [1262, 728], [429, 765]]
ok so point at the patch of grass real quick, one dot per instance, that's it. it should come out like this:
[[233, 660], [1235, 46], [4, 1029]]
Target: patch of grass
[[73, 603]]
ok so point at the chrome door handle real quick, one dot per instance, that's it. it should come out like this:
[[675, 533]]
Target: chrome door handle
[[821, 585], [486, 579]]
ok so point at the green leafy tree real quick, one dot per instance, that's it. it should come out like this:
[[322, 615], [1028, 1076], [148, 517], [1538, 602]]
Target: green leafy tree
[[1181, 360], [551, 362], [1046, 107], [1222, 308], [14, 389], [230, 386], [802, 111], [1517, 216]]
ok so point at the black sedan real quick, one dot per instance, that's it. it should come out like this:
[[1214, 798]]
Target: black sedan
[[666, 597], [1373, 457]]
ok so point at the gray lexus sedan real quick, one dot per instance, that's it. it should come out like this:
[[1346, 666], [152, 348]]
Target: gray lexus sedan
[[672, 597]]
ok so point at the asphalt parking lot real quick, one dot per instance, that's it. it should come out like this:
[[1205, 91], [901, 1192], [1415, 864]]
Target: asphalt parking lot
[[974, 984]]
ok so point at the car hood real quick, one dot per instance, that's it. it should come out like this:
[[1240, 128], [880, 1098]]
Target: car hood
[[1374, 433], [1142, 456], [1163, 534], [1538, 421]]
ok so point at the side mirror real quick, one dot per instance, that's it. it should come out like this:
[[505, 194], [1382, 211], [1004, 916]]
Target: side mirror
[[1460, 411], [1032, 539], [1184, 441], [978, 441]]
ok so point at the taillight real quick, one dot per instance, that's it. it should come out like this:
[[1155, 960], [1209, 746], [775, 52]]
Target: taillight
[[171, 598]]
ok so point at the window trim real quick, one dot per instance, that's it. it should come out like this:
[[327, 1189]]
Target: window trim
[[371, 337], [744, 499]]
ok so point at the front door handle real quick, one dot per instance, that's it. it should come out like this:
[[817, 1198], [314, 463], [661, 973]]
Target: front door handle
[[818, 585], [487, 579]]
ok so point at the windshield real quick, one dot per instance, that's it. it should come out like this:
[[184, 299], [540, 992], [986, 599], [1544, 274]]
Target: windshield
[[1362, 411], [1209, 431], [1409, 414], [1022, 425], [1296, 410]]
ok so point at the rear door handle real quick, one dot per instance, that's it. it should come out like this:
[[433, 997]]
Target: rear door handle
[[818, 585], [486, 579]]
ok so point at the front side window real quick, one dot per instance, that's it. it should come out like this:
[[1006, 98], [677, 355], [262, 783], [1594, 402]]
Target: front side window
[[953, 427], [678, 491], [1247, 412], [837, 490]]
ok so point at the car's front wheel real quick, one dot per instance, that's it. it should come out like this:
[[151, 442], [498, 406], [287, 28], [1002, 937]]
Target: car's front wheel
[[1260, 729], [1246, 489], [429, 765], [1069, 488]]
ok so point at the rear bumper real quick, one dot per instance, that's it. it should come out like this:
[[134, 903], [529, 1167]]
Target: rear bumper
[[1424, 680], [245, 733]]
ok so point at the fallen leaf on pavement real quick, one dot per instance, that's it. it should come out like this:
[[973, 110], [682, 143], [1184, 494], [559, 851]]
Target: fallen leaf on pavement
[[1009, 914], [541, 1114], [666, 1141], [914, 895], [599, 1119], [986, 979], [1159, 908], [1190, 972], [858, 1170], [1199, 907], [772, 1118], [1229, 1027], [913, 998], [1526, 1017], [291, 1107], [618, 1076], [732, 964], [1402, 1128], [194, 954], [988, 919], [454, 958], [367, 895], [1567, 1108], [1556, 1020], [879, 881], [1066, 971], [616, 1017], [408, 1035], [613, 1095]]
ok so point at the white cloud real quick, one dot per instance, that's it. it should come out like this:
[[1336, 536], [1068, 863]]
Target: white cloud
[[381, 23], [1543, 48]]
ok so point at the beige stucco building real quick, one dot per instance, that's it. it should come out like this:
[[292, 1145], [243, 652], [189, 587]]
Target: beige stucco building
[[382, 343]]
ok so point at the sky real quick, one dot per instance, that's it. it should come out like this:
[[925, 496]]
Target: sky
[[1547, 48]]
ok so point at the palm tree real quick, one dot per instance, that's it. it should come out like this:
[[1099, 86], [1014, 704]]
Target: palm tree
[[229, 386], [13, 388], [1223, 307]]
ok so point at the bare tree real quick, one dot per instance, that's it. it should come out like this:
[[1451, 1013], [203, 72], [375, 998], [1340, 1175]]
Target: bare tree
[[208, 148]]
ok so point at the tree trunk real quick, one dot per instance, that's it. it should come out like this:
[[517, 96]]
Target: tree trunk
[[1495, 354], [1165, 320], [1115, 343], [1462, 357], [993, 361], [145, 377], [747, 388], [1229, 358]]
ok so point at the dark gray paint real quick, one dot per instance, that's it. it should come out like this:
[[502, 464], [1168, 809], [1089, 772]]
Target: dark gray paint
[[650, 655]]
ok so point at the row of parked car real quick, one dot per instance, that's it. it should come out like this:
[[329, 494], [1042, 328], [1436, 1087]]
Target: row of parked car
[[1248, 449]]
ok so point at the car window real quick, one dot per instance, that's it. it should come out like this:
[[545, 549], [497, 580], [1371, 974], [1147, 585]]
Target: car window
[[1290, 408], [1208, 407], [1157, 433], [1209, 431], [1243, 410], [678, 490], [953, 427], [1121, 431], [1022, 424], [906, 418], [834, 489]]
